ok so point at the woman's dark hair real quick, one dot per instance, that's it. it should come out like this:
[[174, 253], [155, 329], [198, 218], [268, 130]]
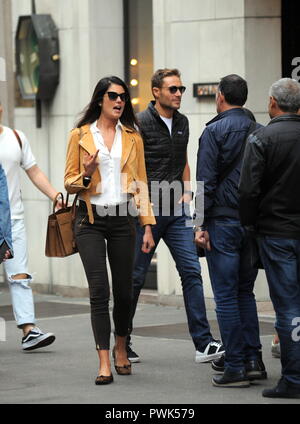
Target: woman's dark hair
[[92, 112]]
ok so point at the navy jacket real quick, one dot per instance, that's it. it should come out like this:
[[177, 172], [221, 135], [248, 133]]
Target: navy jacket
[[219, 144], [5, 222]]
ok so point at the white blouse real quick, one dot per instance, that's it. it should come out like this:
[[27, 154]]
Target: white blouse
[[109, 168]]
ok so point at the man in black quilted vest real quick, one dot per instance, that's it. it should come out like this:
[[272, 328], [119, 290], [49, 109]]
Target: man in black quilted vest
[[165, 133]]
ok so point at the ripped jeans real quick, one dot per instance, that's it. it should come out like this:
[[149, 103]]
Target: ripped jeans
[[20, 290]]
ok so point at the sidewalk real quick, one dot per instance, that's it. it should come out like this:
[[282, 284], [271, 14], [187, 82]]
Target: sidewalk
[[65, 371]]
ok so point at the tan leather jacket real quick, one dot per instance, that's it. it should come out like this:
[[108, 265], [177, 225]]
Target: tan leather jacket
[[133, 170]]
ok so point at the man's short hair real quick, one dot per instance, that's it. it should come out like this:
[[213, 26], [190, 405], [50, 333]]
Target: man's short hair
[[286, 92], [160, 74], [235, 89]]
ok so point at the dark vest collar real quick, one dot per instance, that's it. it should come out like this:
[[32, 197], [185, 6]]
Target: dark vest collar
[[152, 109]]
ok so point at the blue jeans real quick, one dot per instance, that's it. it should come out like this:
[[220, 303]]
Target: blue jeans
[[5, 223], [179, 238], [281, 259], [20, 290], [232, 279]]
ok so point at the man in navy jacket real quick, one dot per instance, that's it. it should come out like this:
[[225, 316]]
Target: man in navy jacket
[[225, 240]]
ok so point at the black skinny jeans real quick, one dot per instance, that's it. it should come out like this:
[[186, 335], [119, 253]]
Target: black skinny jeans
[[119, 233]]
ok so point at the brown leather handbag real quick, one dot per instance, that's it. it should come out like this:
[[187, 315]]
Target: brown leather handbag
[[60, 241]]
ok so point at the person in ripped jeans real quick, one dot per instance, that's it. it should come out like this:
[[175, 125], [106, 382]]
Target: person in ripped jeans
[[15, 153]]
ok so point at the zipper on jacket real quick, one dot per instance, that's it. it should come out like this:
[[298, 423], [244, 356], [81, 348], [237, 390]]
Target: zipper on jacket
[[82, 221]]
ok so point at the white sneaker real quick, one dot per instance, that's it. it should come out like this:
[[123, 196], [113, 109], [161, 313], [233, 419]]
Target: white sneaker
[[213, 350], [36, 339]]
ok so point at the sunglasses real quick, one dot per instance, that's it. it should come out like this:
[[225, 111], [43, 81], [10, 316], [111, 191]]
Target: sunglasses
[[112, 95], [173, 89]]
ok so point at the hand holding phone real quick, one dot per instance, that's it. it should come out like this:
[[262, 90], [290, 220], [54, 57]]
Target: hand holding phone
[[4, 252]]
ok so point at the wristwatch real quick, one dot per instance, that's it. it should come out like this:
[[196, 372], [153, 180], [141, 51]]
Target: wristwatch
[[197, 228], [86, 181]]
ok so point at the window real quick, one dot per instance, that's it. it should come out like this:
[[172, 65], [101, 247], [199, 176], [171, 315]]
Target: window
[[138, 43]]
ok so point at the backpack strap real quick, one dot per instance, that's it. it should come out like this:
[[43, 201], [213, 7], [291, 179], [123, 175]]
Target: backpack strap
[[18, 138]]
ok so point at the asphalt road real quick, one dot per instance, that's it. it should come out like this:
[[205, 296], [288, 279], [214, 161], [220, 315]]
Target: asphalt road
[[64, 372]]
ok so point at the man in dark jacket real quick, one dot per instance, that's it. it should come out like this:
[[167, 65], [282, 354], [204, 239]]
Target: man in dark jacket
[[270, 206], [165, 133], [232, 276]]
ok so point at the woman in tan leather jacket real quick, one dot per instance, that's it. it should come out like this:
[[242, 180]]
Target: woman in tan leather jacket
[[106, 167]]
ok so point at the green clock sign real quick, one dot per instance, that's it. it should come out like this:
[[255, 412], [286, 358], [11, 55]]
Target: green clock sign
[[37, 57]]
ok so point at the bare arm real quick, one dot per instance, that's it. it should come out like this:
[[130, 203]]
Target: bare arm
[[41, 181], [186, 178]]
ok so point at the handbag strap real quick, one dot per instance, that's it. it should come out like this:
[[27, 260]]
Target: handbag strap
[[65, 205], [56, 199], [239, 156], [73, 208]]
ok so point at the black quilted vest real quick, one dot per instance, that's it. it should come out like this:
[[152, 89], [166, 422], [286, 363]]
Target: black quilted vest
[[165, 155]]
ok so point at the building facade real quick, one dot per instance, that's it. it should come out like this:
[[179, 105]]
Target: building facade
[[205, 39]]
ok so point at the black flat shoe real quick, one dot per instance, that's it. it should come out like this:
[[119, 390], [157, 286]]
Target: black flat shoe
[[121, 369], [102, 379]]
